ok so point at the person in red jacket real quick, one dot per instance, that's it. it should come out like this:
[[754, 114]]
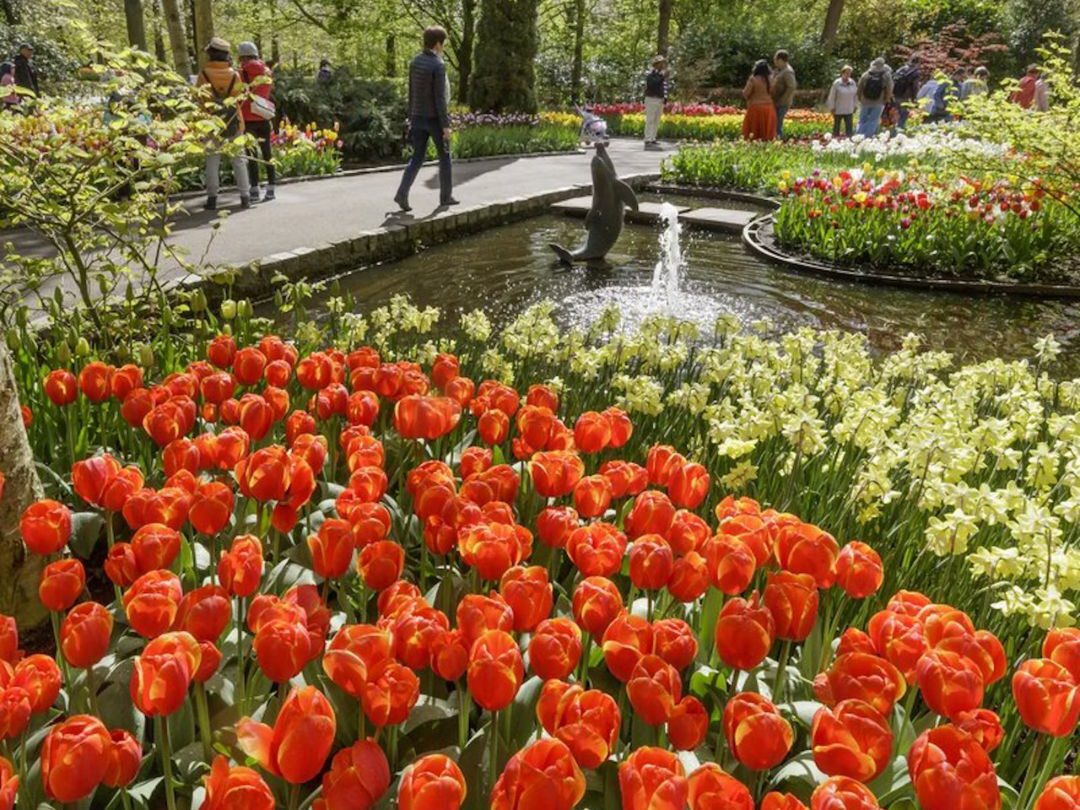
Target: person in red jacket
[[1025, 92], [255, 109]]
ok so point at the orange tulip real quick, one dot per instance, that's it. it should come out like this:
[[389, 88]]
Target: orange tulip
[[625, 641], [495, 670], [651, 562], [731, 563], [793, 601], [85, 634], [297, 746], [493, 427], [983, 725], [756, 733], [221, 351], [95, 381], [949, 769], [415, 630], [592, 432], [424, 417], [61, 583], [1047, 697], [654, 687], [744, 633], [474, 460], [240, 568], [621, 426], [689, 578], [688, 485], [688, 724], [476, 614], [1060, 793], [554, 525], [859, 571], [74, 758], [543, 774], [163, 673], [124, 759], [596, 549], [710, 787], [248, 364], [381, 563], [592, 496], [235, 788], [529, 594], [802, 548], [358, 777], [535, 424], [675, 642], [842, 793], [653, 779], [265, 474], [781, 801], [652, 513], [354, 652], [9, 639], [155, 546], [432, 782], [555, 648], [950, 682], [152, 601], [898, 637], [332, 548], [60, 387], [45, 526], [596, 602], [449, 655], [855, 640], [626, 477], [39, 676], [587, 721], [389, 693], [661, 462], [851, 739], [494, 548], [555, 473], [1062, 646], [15, 711], [862, 676]]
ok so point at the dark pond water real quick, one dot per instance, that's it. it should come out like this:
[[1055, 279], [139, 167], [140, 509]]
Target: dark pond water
[[505, 269]]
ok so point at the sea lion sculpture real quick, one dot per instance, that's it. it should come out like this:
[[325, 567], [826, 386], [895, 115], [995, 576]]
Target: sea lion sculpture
[[604, 221]]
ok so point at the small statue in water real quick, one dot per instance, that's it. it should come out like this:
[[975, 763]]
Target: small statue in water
[[604, 221]]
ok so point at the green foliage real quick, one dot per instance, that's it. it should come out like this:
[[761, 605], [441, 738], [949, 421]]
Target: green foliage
[[1029, 20], [507, 39], [52, 59], [475, 142], [371, 112], [708, 128]]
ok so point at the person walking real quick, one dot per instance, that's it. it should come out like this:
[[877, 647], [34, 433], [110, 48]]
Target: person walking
[[258, 112], [221, 82], [8, 95], [874, 91], [429, 117], [977, 85], [906, 88], [759, 123], [655, 96], [946, 90], [1042, 94], [841, 101], [1025, 91], [783, 88], [25, 73], [324, 74]]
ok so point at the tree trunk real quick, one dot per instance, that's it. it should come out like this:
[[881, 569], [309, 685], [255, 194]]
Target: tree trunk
[[465, 51], [136, 28], [576, 69], [390, 66], [10, 16], [832, 23], [177, 38], [19, 570], [159, 36], [663, 28], [204, 28]]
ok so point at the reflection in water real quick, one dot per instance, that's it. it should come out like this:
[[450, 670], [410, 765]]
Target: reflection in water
[[504, 270]]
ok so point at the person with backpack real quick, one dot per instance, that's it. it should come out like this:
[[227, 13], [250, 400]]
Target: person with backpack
[[655, 96], [258, 112], [220, 83], [977, 85], [841, 101], [906, 88], [947, 90], [874, 91], [783, 88]]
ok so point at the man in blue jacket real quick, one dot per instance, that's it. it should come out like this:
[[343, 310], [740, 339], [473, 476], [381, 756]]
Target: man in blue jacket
[[429, 117]]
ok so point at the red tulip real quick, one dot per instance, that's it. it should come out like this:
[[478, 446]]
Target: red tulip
[[842, 793], [545, 772], [1060, 793], [859, 571], [60, 387], [688, 485], [950, 683], [781, 801], [95, 381], [592, 432], [9, 639], [596, 549], [297, 746], [358, 777], [688, 724], [61, 583], [898, 637], [15, 711], [710, 787], [661, 462], [85, 634], [653, 779], [950, 769], [596, 602], [983, 725], [164, 672], [793, 601], [587, 721], [235, 788], [432, 782], [851, 739], [152, 601], [652, 513], [74, 758], [495, 670], [240, 568], [626, 477], [555, 648], [1047, 697], [592, 496], [626, 640], [389, 693], [744, 633], [654, 687], [476, 614], [862, 676], [756, 733], [123, 761], [39, 676], [651, 562], [381, 563], [449, 655], [554, 525], [354, 652], [1062, 646], [529, 594], [45, 527]]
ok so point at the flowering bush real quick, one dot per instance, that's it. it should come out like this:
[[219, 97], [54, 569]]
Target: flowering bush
[[476, 135], [439, 570], [726, 126], [991, 228], [305, 152], [670, 108]]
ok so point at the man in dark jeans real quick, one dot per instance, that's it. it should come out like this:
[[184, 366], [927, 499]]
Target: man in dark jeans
[[429, 117]]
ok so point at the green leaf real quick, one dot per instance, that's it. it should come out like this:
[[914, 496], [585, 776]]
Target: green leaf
[[523, 719], [86, 530]]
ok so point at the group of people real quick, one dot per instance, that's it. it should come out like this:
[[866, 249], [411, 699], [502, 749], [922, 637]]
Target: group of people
[[18, 77]]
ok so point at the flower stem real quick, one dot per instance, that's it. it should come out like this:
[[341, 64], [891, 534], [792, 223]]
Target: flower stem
[[493, 751], [203, 714], [161, 736], [240, 655], [781, 670], [463, 716]]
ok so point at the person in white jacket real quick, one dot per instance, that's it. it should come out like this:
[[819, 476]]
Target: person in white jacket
[[841, 101]]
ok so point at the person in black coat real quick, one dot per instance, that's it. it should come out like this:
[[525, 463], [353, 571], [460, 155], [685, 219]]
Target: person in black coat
[[25, 72]]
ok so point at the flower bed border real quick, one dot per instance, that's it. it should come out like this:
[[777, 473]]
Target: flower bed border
[[759, 237]]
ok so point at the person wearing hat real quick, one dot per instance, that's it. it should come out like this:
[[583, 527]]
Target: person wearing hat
[[221, 83], [874, 91], [259, 80], [25, 72], [841, 101], [655, 96]]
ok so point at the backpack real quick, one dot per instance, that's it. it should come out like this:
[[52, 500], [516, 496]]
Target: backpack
[[904, 82], [229, 114], [874, 87]]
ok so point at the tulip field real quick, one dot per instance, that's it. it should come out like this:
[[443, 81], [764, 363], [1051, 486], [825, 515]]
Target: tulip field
[[390, 561]]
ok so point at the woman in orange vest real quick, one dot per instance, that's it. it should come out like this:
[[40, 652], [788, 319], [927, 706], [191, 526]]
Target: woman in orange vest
[[759, 123]]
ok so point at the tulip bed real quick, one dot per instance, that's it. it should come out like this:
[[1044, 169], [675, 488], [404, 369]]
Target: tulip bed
[[799, 124], [383, 566]]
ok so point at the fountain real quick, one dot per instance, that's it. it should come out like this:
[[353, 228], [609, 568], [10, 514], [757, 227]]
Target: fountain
[[669, 267]]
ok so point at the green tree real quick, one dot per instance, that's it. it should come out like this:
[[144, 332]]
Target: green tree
[[507, 40], [1029, 20]]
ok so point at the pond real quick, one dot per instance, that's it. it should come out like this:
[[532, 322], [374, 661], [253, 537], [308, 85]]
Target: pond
[[503, 270]]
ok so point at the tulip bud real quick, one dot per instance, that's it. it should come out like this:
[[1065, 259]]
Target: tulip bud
[[243, 308], [12, 338], [198, 301], [82, 347], [228, 309], [146, 356], [63, 353]]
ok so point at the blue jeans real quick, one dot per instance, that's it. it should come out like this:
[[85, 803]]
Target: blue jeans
[[905, 111], [420, 129], [869, 119], [781, 111]]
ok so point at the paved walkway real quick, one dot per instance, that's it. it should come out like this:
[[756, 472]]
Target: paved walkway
[[332, 209]]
